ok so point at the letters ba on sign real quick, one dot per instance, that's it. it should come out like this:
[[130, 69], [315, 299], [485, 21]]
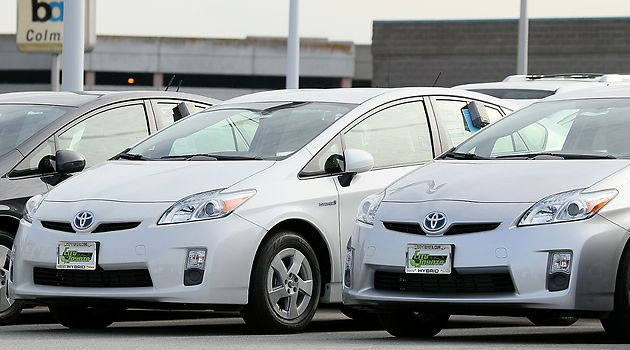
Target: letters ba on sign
[[40, 25]]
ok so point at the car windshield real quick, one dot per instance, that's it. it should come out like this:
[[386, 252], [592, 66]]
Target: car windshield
[[19, 122], [270, 131], [570, 129], [516, 94]]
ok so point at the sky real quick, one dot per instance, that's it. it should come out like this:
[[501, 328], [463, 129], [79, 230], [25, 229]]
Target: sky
[[348, 20]]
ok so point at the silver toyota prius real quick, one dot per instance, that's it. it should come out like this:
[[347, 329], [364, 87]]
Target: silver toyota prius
[[528, 217]]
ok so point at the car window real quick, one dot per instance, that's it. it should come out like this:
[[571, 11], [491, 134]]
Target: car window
[[493, 113], [219, 137], [450, 114], [37, 162], [327, 161], [19, 122], [166, 114], [398, 135], [106, 134]]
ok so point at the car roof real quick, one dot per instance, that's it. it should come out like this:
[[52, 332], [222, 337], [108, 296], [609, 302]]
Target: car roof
[[547, 85], [611, 91], [357, 95], [77, 99]]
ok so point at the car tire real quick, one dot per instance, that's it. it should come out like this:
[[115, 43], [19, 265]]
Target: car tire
[[552, 321], [363, 318], [413, 324], [617, 323], [82, 317], [285, 270], [9, 310]]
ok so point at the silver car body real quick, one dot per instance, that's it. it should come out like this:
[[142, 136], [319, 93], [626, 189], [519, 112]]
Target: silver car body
[[462, 190]]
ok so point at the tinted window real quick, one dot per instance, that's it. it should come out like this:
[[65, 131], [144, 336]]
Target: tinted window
[[398, 135], [106, 134], [516, 94], [260, 130], [20, 122]]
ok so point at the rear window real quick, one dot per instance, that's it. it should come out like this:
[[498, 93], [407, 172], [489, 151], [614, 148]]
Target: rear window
[[516, 94], [19, 122]]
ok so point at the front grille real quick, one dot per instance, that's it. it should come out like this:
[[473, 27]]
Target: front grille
[[115, 226], [58, 226], [98, 278], [104, 227], [454, 283], [455, 229]]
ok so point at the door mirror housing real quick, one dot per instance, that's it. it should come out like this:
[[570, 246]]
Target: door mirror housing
[[68, 162], [478, 114], [358, 161]]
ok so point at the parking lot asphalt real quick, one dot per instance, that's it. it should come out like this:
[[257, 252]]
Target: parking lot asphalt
[[154, 330]]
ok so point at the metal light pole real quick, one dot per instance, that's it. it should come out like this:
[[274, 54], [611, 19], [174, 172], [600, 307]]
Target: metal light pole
[[293, 48], [523, 38], [73, 45]]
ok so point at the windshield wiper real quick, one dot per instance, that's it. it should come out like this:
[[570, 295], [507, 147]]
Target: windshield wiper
[[210, 156], [557, 155], [131, 156], [465, 156]]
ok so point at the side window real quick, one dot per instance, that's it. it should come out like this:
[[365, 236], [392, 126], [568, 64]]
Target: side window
[[38, 162], [165, 113], [328, 161], [450, 114], [398, 135], [493, 113], [105, 134]]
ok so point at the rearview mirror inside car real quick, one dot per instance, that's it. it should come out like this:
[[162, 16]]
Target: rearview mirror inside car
[[67, 162]]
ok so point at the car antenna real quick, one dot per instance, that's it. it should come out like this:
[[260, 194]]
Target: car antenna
[[179, 85], [170, 82], [437, 78]]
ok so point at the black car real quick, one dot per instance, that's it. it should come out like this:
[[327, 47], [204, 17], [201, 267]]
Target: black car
[[38, 127]]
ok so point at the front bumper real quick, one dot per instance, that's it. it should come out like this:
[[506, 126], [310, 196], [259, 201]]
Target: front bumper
[[231, 244], [521, 252]]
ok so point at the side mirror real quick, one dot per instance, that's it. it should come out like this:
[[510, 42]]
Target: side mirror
[[358, 161], [68, 162], [478, 114]]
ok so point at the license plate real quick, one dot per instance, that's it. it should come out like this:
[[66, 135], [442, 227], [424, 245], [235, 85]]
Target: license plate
[[76, 256], [435, 259]]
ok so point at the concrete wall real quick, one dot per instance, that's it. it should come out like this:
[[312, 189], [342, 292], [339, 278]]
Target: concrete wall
[[413, 52]]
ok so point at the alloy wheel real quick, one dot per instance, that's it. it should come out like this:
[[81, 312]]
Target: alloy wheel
[[5, 302], [289, 284]]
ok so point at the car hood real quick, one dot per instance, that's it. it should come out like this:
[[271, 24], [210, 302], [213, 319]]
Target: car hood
[[509, 181], [154, 181]]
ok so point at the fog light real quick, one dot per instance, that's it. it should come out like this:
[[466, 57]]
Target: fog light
[[559, 271], [561, 262], [196, 259], [347, 274]]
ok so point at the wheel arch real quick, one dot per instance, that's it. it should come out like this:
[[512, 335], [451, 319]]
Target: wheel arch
[[9, 224], [313, 236]]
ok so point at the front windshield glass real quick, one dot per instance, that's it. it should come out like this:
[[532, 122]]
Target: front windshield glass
[[574, 129], [19, 122], [270, 131]]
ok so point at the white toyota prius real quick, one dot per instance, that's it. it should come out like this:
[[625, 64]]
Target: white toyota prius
[[243, 206]]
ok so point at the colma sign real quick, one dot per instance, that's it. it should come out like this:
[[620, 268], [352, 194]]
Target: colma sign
[[40, 25]]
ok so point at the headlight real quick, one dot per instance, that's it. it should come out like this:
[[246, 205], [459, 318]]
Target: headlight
[[205, 206], [368, 208], [567, 206], [31, 207]]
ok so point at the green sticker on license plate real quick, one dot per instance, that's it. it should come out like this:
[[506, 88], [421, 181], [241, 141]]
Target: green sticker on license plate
[[76, 256], [433, 259]]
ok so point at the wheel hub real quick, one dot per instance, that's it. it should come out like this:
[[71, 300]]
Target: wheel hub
[[289, 284]]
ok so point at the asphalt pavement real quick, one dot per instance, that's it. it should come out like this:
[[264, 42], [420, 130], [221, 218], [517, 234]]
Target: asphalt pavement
[[153, 330]]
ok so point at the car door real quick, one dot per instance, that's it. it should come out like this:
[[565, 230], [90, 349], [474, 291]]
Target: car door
[[106, 132], [400, 136]]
